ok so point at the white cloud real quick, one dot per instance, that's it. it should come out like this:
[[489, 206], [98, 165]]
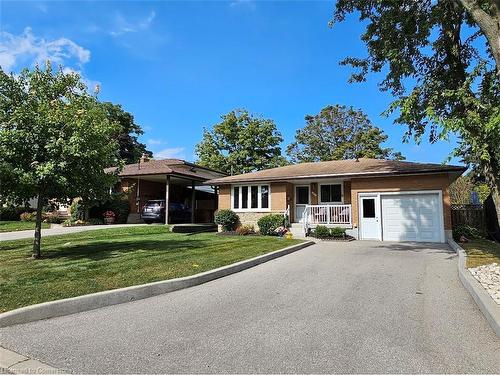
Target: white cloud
[[173, 152], [27, 48], [249, 4], [124, 26], [154, 142]]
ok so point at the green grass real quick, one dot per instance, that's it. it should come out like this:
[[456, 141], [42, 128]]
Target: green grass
[[481, 251], [11, 226], [93, 261]]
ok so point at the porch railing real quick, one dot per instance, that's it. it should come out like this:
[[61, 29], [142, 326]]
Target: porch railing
[[327, 214]]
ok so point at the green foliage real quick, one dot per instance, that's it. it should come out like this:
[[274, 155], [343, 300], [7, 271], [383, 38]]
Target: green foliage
[[483, 191], [337, 232], [130, 149], [339, 132], [95, 221], [241, 143], [55, 139], [321, 232], [227, 219], [28, 216], [461, 189], [52, 218], [12, 213], [77, 210], [269, 223], [434, 62], [118, 203], [244, 230], [467, 231]]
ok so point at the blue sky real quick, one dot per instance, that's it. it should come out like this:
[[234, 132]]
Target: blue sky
[[178, 66]]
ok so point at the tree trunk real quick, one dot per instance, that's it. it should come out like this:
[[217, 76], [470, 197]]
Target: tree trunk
[[38, 228], [489, 23], [492, 176]]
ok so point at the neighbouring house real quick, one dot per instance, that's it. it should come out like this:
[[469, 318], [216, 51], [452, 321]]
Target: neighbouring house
[[180, 183], [374, 199]]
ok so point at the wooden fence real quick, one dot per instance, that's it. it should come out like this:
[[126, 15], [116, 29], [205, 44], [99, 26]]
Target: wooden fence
[[468, 214]]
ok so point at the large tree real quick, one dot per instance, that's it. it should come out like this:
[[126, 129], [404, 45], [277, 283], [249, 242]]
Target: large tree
[[55, 140], [339, 132], [241, 143], [127, 135], [441, 60]]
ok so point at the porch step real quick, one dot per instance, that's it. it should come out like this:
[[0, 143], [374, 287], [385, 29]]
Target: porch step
[[297, 230], [134, 219]]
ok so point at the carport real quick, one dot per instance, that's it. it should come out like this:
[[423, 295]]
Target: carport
[[179, 183]]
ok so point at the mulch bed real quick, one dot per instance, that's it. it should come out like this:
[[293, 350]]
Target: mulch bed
[[337, 239]]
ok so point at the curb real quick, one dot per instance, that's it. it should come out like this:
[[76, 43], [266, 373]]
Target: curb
[[97, 300], [488, 307], [12, 362]]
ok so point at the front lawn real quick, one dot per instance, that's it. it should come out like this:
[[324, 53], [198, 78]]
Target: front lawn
[[93, 261], [481, 251], [11, 226]]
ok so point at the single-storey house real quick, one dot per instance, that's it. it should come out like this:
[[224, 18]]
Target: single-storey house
[[374, 199], [180, 183]]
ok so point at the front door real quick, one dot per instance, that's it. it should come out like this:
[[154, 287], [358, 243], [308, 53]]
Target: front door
[[301, 200], [369, 213]]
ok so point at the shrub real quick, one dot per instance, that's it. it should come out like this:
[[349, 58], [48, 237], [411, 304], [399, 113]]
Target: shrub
[[13, 213], [77, 210], [28, 216], [118, 203], [95, 221], [244, 230], [74, 223], [268, 224], [321, 232], [227, 219], [52, 218], [337, 232], [466, 231]]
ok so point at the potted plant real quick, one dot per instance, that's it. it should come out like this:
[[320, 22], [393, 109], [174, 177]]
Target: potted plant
[[109, 217]]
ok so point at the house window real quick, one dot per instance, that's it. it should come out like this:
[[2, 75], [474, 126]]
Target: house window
[[236, 197], [244, 197], [264, 196], [252, 197], [331, 193]]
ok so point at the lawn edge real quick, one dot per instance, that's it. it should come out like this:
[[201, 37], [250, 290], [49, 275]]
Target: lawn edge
[[488, 307], [97, 300]]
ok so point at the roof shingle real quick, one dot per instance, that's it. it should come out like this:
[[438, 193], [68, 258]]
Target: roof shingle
[[339, 168], [167, 166]]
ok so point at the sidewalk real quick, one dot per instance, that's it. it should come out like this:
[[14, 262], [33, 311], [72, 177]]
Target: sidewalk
[[57, 229]]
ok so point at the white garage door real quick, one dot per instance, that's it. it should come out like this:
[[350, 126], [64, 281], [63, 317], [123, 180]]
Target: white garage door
[[411, 217]]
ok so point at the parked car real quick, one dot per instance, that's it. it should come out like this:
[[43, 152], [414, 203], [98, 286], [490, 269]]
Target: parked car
[[154, 211]]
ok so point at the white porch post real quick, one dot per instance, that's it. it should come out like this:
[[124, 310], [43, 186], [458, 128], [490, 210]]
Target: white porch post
[[193, 200], [167, 191]]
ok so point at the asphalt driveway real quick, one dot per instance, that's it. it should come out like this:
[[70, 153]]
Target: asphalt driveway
[[358, 307]]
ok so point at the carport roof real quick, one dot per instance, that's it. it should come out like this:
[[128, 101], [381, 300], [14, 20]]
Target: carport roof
[[339, 168], [165, 167]]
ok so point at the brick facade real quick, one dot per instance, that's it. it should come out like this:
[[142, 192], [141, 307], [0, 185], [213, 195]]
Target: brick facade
[[282, 194], [403, 183]]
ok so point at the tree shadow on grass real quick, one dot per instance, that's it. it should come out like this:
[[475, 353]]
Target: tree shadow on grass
[[101, 250]]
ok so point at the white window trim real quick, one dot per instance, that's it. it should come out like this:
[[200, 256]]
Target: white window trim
[[259, 198], [341, 183]]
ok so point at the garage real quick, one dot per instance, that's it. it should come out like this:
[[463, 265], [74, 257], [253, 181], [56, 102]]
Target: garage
[[412, 217]]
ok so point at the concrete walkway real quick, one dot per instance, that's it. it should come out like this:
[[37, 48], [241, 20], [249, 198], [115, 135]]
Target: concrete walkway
[[57, 229], [358, 307]]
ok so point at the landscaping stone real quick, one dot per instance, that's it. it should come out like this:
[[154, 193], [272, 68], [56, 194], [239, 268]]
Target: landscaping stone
[[489, 277]]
